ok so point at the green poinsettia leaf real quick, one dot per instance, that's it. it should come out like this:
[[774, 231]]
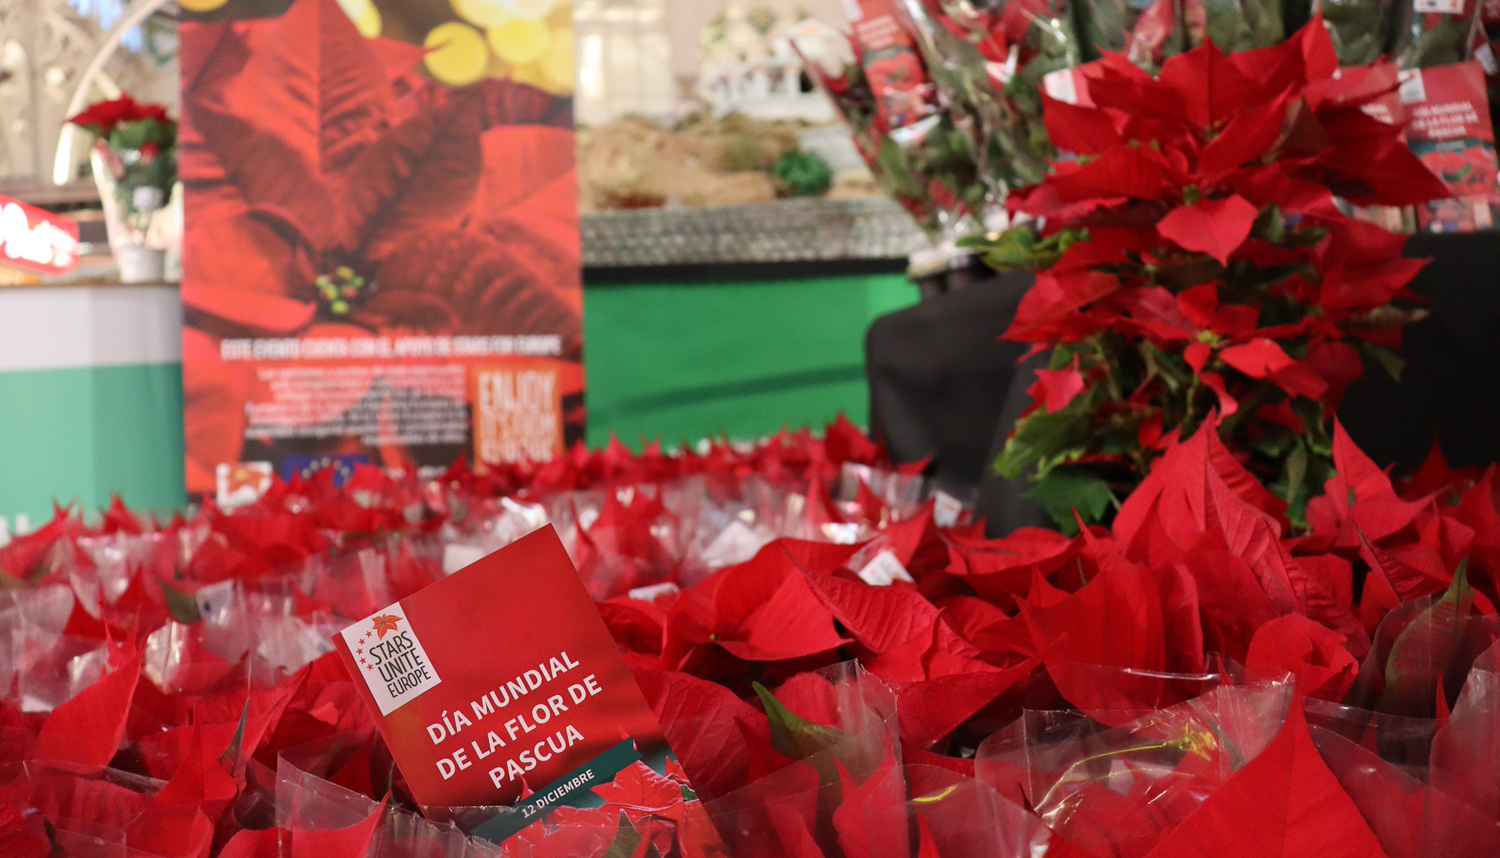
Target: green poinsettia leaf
[[1427, 44], [793, 735], [1393, 364], [1042, 434], [1358, 28], [1022, 247], [1171, 369], [182, 605], [1270, 224], [1296, 472], [626, 840], [1424, 649], [1072, 487]]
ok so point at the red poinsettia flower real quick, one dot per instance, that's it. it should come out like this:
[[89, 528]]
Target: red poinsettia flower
[[1206, 267], [102, 117]]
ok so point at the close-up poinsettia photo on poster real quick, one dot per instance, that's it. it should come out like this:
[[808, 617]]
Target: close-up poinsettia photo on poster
[[381, 262]]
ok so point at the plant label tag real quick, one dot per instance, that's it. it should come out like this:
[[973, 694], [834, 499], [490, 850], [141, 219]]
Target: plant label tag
[[1439, 7], [1412, 88], [1061, 86], [652, 592], [1485, 53], [500, 686], [884, 569], [947, 510]]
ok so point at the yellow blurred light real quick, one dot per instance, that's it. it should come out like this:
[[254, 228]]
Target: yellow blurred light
[[365, 16], [532, 74], [368, 23], [456, 54], [519, 41], [559, 63], [530, 9], [482, 13]]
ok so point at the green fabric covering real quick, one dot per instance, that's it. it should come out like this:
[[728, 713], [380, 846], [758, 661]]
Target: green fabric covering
[[83, 434], [682, 362]]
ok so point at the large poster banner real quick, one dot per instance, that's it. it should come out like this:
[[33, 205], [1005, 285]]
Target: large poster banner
[[381, 258]]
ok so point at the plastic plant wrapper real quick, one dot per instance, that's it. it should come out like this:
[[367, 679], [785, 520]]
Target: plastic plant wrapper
[[1024, 42], [1109, 637], [311, 797], [1413, 819], [1467, 744], [835, 777], [878, 496], [911, 144], [1431, 33], [969, 69], [1240, 25], [964, 818], [82, 811], [1146, 33], [1424, 649], [1360, 28], [1119, 788], [973, 40]]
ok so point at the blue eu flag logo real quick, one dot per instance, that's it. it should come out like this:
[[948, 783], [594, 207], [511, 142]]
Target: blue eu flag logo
[[308, 466]]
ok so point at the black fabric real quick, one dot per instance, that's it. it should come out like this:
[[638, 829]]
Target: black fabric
[[1450, 389], [943, 384], [1003, 503]]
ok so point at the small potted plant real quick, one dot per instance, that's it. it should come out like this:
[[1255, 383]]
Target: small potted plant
[[135, 164]]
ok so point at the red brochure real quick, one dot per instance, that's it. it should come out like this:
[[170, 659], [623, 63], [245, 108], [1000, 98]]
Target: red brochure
[[1450, 131], [904, 93], [501, 686]]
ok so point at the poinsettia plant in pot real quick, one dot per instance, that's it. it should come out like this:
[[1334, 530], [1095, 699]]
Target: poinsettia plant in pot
[[135, 165], [1195, 268]]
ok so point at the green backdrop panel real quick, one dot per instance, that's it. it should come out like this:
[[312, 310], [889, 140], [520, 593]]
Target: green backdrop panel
[[683, 361], [82, 434]]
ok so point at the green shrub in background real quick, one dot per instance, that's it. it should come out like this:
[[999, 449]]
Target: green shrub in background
[[802, 174]]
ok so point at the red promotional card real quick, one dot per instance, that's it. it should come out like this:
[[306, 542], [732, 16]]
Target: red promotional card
[[501, 686], [904, 96], [1450, 131]]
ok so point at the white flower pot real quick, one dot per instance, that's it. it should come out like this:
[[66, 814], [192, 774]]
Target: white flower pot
[[141, 264]]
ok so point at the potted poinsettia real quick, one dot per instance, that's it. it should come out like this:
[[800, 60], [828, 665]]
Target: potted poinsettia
[[1196, 268], [135, 164]]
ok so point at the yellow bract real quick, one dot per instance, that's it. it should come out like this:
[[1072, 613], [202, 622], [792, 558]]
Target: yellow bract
[[456, 54], [519, 41], [201, 5]]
